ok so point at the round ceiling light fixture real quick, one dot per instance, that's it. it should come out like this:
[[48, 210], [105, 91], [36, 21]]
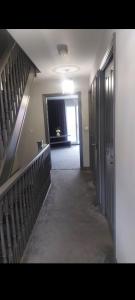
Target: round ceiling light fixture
[[66, 69]]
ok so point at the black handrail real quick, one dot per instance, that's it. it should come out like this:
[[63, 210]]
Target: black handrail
[[21, 197]]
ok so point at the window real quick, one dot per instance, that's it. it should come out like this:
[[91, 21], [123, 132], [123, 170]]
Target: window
[[72, 120]]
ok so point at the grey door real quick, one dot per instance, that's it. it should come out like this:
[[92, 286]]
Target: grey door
[[109, 143], [93, 128]]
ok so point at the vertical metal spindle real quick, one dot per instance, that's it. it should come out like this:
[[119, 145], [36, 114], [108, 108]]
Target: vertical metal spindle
[[3, 118], [14, 230], [12, 90], [26, 195], [15, 85], [9, 94], [2, 236], [17, 218], [1, 141], [20, 207], [16, 73], [8, 230], [31, 194], [20, 72], [24, 206], [5, 102]]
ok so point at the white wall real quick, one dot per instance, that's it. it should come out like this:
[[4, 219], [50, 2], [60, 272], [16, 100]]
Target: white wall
[[125, 145], [34, 124], [125, 140], [33, 131]]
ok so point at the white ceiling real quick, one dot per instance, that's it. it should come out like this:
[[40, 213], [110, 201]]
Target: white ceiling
[[40, 46]]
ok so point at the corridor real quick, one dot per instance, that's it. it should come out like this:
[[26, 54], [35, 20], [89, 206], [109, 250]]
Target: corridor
[[66, 158], [70, 228]]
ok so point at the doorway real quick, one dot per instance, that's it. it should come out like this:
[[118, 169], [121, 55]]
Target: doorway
[[109, 143], [63, 130], [102, 135]]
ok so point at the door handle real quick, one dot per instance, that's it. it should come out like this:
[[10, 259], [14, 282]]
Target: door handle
[[93, 145], [111, 160]]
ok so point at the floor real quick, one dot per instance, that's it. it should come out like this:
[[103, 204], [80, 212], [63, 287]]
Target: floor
[[70, 228], [65, 158]]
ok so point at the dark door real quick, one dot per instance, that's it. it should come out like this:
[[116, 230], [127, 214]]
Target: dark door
[[109, 143], [102, 136], [93, 128], [91, 131]]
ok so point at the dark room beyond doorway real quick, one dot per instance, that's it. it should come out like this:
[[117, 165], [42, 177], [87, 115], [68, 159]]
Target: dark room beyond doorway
[[64, 131]]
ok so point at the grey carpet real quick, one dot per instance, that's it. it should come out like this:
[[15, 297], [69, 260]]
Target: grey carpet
[[70, 228], [65, 158]]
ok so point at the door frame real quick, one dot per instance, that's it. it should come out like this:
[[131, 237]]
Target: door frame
[[95, 167], [100, 90], [46, 121], [89, 109], [109, 55]]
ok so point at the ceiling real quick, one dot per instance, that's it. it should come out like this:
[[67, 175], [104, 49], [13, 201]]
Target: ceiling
[[41, 46]]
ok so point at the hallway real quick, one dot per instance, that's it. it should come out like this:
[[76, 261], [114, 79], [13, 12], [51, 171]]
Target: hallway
[[66, 158], [70, 228]]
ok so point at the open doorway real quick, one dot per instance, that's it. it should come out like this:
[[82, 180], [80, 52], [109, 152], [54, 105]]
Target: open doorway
[[63, 130]]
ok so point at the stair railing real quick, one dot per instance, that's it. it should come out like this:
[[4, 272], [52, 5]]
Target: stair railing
[[21, 197], [15, 68]]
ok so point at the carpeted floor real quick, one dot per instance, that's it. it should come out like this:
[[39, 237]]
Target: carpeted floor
[[65, 158], [70, 228]]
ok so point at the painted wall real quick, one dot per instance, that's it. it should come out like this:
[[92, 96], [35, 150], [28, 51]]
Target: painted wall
[[125, 140], [34, 131], [125, 146]]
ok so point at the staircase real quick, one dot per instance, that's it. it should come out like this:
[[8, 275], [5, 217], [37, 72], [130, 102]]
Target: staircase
[[22, 193], [16, 75]]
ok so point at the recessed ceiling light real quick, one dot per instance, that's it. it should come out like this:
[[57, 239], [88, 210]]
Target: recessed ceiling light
[[68, 86], [66, 69]]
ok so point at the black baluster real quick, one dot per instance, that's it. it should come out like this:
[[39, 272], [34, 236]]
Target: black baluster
[[2, 236], [31, 194], [26, 195], [13, 224], [3, 119], [17, 218], [1, 141], [20, 73], [6, 104], [9, 95], [12, 90], [13, 85], [16, 74], [8, 230], [24, 207], [21, 211]]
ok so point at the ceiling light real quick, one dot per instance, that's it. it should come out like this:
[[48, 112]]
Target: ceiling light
[[66, 69], [67, 86]]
